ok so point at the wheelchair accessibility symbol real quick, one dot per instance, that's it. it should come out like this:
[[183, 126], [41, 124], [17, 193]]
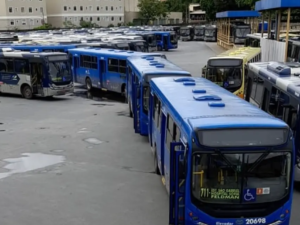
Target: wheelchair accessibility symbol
[[250, 195]]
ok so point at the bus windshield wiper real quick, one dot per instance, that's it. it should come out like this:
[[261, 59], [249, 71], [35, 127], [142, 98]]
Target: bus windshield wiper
[[258, 161]]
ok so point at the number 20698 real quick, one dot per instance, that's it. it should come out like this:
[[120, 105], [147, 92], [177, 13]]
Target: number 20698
[[256, 221]]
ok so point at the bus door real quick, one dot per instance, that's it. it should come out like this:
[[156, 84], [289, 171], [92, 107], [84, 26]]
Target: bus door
[[37, 77], [102, 73], [177, 183], [136, 99], [166, 42], [75, 66]]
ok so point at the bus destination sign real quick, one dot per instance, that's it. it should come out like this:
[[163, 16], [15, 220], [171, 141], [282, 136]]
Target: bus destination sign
[[220, 193]]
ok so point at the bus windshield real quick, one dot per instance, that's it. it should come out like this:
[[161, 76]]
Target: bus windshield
[[210, 32], [185, 31], [199, 31], [241, 178], [229, 78], [60, 72], [242, 31]]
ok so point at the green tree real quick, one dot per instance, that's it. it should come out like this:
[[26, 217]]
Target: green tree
[[210, 9], [45, 26], [152, 9], [86, 24]]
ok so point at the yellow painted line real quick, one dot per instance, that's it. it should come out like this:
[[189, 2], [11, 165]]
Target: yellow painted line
[[163, 181], [103, 89]]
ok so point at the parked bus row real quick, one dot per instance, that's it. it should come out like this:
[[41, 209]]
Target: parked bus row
[[221, 159]]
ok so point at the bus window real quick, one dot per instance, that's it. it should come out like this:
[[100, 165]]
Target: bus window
[[22, 66], [176, 134], [89, 62], [158, 114], [10, 65], [122, 66], [129, 74], [169, 131], [146, 93], [277, 102], [257, 90], [113, 65]]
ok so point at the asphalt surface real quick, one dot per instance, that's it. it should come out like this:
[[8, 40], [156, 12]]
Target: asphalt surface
[[75, 160]]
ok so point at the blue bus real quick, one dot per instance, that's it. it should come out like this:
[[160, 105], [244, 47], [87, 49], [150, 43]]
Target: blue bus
[[275, 88], [222, 160], [166, 40], [140, 71], [104, 69], [28, 74]]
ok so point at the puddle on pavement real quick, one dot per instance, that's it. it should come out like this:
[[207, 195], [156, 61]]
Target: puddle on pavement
[[29, 162], [100, 96], [93, 141]]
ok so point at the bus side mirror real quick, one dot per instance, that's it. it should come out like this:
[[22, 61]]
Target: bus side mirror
[[204, 69]]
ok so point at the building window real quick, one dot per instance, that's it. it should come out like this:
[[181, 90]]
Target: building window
[[65, 8], [112, 18], [112, 8], [23, 22], [98, 8], [106, 8], [81, 8], [30, 9], [98, 18], [91, 18], [22, 9], [75, 8], [10, 9], [120, 18], [12, 23]]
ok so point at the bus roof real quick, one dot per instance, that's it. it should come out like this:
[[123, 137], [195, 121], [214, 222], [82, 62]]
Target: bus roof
[[155, 65], [110, 52], [284, 76], [30, 54], [237, 14], [245, 53], [201, 114]]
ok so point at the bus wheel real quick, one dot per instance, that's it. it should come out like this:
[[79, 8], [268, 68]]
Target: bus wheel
[[156, 170], [130, 111], [88, 84], [27, 92]]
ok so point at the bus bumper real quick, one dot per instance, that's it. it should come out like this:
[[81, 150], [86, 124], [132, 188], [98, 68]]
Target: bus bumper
[[58, 91]]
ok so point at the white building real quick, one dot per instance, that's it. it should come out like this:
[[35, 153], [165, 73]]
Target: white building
[[100, 12], [22, 14]]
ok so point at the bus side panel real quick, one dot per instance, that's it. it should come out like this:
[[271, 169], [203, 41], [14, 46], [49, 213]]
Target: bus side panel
[[94, 75], [113, 78]]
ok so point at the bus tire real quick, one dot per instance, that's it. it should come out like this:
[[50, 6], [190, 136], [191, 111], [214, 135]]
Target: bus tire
[[88, 84], [130, 111], [156, 169], [27, 92]]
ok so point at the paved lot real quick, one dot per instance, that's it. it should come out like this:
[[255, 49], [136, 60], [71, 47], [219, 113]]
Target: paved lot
[[76, 161]]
